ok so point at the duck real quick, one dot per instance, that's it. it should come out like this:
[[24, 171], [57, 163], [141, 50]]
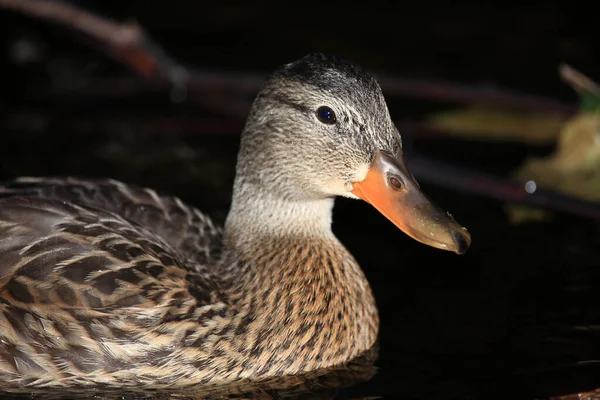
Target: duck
[[115, 285]]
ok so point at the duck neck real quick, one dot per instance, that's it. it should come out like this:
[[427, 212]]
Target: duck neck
[[262, 215], [300, 294]]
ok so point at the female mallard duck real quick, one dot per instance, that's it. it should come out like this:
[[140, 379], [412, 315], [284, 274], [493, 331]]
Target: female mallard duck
[[104, 284]]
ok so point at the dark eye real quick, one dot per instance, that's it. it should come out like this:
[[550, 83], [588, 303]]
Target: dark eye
[[326, 115]]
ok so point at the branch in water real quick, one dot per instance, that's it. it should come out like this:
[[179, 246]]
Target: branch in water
[[425, 169], [577, 80], [229, 94], [593, 395], [129, 44], [482, 184]]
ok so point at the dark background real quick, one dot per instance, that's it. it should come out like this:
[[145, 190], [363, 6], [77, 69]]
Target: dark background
[[516, 317]]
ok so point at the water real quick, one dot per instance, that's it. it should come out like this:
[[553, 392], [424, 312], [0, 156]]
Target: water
[[516, 317]]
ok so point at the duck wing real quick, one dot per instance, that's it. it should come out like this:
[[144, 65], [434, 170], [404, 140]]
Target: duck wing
[[187, 231], [57, 254]]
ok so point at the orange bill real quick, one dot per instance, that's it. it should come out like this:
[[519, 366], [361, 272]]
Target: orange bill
[[392, 190]]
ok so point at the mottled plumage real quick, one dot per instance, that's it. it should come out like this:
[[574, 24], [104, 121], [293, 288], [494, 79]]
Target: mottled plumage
[[109, 285]]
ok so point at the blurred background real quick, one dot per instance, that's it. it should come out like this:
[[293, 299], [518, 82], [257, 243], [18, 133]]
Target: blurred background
[[495, 130]]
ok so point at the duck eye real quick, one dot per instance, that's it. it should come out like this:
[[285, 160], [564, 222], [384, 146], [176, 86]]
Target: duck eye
[[326, 115]]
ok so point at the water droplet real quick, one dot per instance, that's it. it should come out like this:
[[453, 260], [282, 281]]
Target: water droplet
[[530, 187]]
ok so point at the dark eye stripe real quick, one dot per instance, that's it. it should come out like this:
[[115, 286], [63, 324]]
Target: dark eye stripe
[[290, 103]]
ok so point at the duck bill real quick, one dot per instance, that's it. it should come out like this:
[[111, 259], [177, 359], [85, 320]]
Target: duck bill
[[391, 189]]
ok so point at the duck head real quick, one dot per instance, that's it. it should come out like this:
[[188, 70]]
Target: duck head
[[320, 128]]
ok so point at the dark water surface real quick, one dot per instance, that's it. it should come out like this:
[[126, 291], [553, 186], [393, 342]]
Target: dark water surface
[[517, 317]]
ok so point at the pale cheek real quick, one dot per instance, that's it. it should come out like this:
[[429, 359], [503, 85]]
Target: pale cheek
[[361, 173], [335, 188], [348, 191], [344, 188], [359, 176]]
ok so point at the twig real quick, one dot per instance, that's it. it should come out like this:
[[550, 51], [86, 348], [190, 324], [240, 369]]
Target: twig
[[474, 182], [425, 169], [93, 125], [592, 395], [126, 41], [450, 92], [129, 44], [230, 93], [577, 80], [210, 96]]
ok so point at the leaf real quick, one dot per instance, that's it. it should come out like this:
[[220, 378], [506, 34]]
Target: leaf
[[573, 168], [494, 123], [589, 102]]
